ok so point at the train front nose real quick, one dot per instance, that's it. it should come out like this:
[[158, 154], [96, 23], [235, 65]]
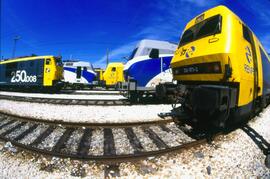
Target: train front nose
[[201, 68]]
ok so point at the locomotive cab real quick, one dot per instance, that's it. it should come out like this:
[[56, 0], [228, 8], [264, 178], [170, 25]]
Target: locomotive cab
[[217, 68], [53, 71], [113, 74]]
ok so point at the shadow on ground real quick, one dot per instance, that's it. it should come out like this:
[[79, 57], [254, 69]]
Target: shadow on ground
[[262, 144]]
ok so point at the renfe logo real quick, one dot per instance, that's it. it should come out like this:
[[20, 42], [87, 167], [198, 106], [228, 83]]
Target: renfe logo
[[21, 76], [247, 68], [248, 54], [188, 52]]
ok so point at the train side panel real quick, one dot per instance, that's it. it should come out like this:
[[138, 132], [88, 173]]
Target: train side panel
[[244, 59], [266, 72], [146, 70], [23, 73], [34, 71], [2, 72]]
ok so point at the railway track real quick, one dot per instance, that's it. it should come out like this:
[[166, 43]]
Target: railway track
[[86, 102], [106, 143], [81, 92], [66, 101]]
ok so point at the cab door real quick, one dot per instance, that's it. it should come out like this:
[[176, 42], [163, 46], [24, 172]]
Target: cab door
[[251, 63], [113, 76], [48, 76], [78, 74]]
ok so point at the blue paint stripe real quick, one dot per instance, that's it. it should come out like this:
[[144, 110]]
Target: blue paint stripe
[[144, 71], [89, 76]]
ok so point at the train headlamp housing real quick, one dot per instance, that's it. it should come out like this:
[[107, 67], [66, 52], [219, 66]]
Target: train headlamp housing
[[202, 68]]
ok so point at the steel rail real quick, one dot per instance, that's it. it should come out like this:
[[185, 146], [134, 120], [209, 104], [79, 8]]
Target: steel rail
[[85, 124], [109, 155]]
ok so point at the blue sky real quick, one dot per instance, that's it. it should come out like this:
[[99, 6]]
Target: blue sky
[[85, 29]]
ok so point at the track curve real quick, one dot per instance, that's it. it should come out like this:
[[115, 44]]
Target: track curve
[[85, 102], [66, 101], [107, 144]]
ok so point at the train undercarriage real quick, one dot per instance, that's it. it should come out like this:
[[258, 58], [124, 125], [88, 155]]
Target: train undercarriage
[[208, 105]]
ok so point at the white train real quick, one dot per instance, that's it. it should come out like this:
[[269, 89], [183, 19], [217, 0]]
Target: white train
[[147, 71], [148, 66], [79, 73]]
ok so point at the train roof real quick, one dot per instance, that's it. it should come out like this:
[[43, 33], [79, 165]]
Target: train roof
[[77, 63], [145, 45], [25, 59], [159, 44], [116, 64], [222, 10]]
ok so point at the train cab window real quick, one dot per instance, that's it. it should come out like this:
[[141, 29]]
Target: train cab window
[[210, 27], [165, 51], [207, 27], [132, 55], [84, 68], [48, 61], [113, 68], [154, 53], [246, 33], [145, 51], [68, 64], [187, 36]]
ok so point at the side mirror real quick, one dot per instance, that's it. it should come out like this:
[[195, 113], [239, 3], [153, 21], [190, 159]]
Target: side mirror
[[228, 72], [154, 53]]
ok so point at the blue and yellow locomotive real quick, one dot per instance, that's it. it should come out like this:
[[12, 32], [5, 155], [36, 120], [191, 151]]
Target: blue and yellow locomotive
[[35, 72], [221, 68]]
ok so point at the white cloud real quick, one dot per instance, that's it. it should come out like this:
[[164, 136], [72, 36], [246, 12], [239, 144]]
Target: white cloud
[[116, 53], [166, 21]]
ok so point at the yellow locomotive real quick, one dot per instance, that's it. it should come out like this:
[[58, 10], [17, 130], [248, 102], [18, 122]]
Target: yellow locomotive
[[35, 72], [221, 68], [112, 75]]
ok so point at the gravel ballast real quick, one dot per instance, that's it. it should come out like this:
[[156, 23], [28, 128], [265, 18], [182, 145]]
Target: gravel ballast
[[89, 114], [64, 96], [233, 155]]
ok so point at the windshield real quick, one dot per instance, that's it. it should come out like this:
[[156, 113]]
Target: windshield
[[133, 54], [205, 28]]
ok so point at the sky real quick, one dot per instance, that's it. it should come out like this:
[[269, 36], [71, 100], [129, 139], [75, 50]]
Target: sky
[[87, 29]]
